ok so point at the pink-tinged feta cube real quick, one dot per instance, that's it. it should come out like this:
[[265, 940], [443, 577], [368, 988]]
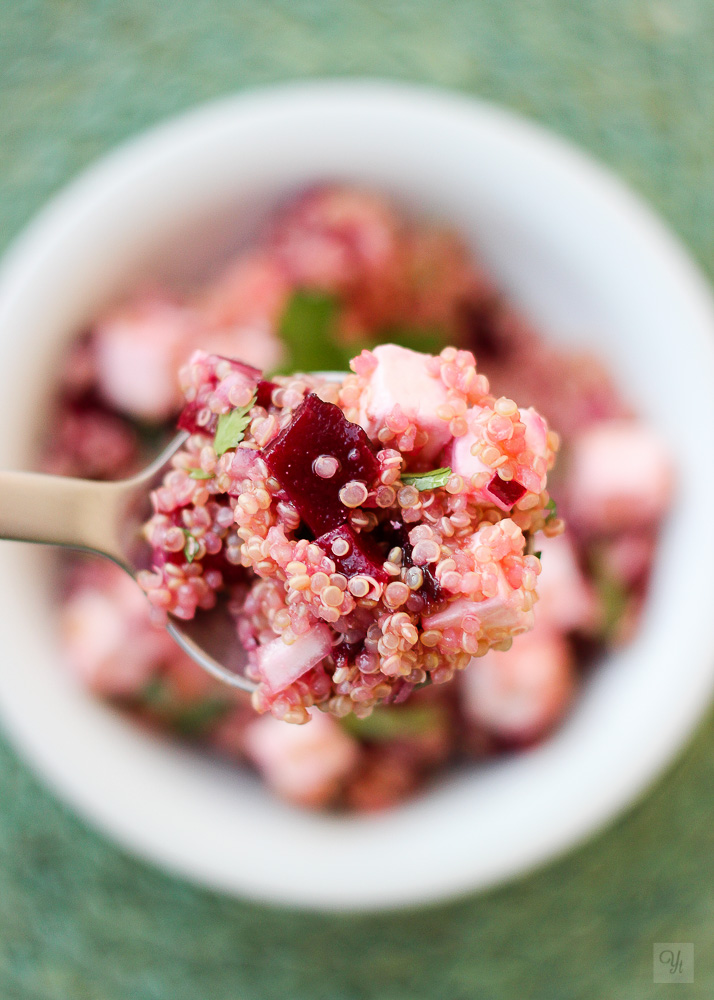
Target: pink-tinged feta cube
[[442, 278], [620, 477], [334, 238], [507, 613], [460, 457], [565, 598], [108, 639], [93, 444], [520, 695], [240, 312], [251, 292], [536, 432], [495, 491], [281, 665], [139, 350], [255, 345], [627, 558], [304, 764], [402, 384]]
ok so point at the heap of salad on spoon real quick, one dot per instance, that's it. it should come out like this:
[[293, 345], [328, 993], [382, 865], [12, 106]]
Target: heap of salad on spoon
[[372, 533]]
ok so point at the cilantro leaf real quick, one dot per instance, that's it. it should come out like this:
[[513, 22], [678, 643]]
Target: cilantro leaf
[[426, 339], [191, 719], [196, 719], [613, 596], [190, 549], [231, 428], [307, 328], [200, 474], [427, 480], [386, 724], [551, 506], [538, 554], [155, 693]]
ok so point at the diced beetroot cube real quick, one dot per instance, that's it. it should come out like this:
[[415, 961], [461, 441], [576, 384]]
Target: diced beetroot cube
[[431, 589], [264, 392], [507, 492], [320, 428], [346, 653], [231, 573], [248, 370], [399, 693], [187, 419], [364, 557], [160, 557]]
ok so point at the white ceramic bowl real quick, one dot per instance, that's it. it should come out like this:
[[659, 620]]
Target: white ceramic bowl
[[587, 261]]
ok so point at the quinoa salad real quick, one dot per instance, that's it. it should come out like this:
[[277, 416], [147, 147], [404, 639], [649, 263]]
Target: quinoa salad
[[369, 570], [376, 531]]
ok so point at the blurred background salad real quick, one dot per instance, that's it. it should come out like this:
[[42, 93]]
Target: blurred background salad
[[629, 83], [333, 270]]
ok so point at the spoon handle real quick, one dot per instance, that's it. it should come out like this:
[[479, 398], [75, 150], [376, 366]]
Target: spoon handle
[[57, 510], [81, 513]]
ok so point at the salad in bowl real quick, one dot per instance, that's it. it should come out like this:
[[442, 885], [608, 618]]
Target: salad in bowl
[[372, 533], [291, 230]]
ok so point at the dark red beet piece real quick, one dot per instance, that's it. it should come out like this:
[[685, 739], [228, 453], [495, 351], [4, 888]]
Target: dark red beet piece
[[399, 693], [187, 419], [320, 428], [249, 370], [160, 557], [346, 653], [485, 322], [264, 392], [231, 573], [430, 589], [507, 492], [364, 557]]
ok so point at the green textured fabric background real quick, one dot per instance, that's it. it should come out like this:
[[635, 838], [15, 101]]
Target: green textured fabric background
[[630, 80]]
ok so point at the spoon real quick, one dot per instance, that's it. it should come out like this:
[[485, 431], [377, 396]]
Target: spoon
[[106, 518]]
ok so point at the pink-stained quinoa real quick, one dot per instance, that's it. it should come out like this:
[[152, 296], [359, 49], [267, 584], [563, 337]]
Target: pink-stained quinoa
[[334, 271], [315, 502]]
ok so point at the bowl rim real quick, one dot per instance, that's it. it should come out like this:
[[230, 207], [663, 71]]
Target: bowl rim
[[54, 223]]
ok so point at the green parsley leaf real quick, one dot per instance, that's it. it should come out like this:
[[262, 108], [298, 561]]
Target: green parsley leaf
[[427, 480], [200, 474], [231, 428], [155, 694], [190, 549], [196, 719], [189, 719], [308, 330], [386, 724], [612, 594], [551, 506], [613, 597], [426, 339]]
